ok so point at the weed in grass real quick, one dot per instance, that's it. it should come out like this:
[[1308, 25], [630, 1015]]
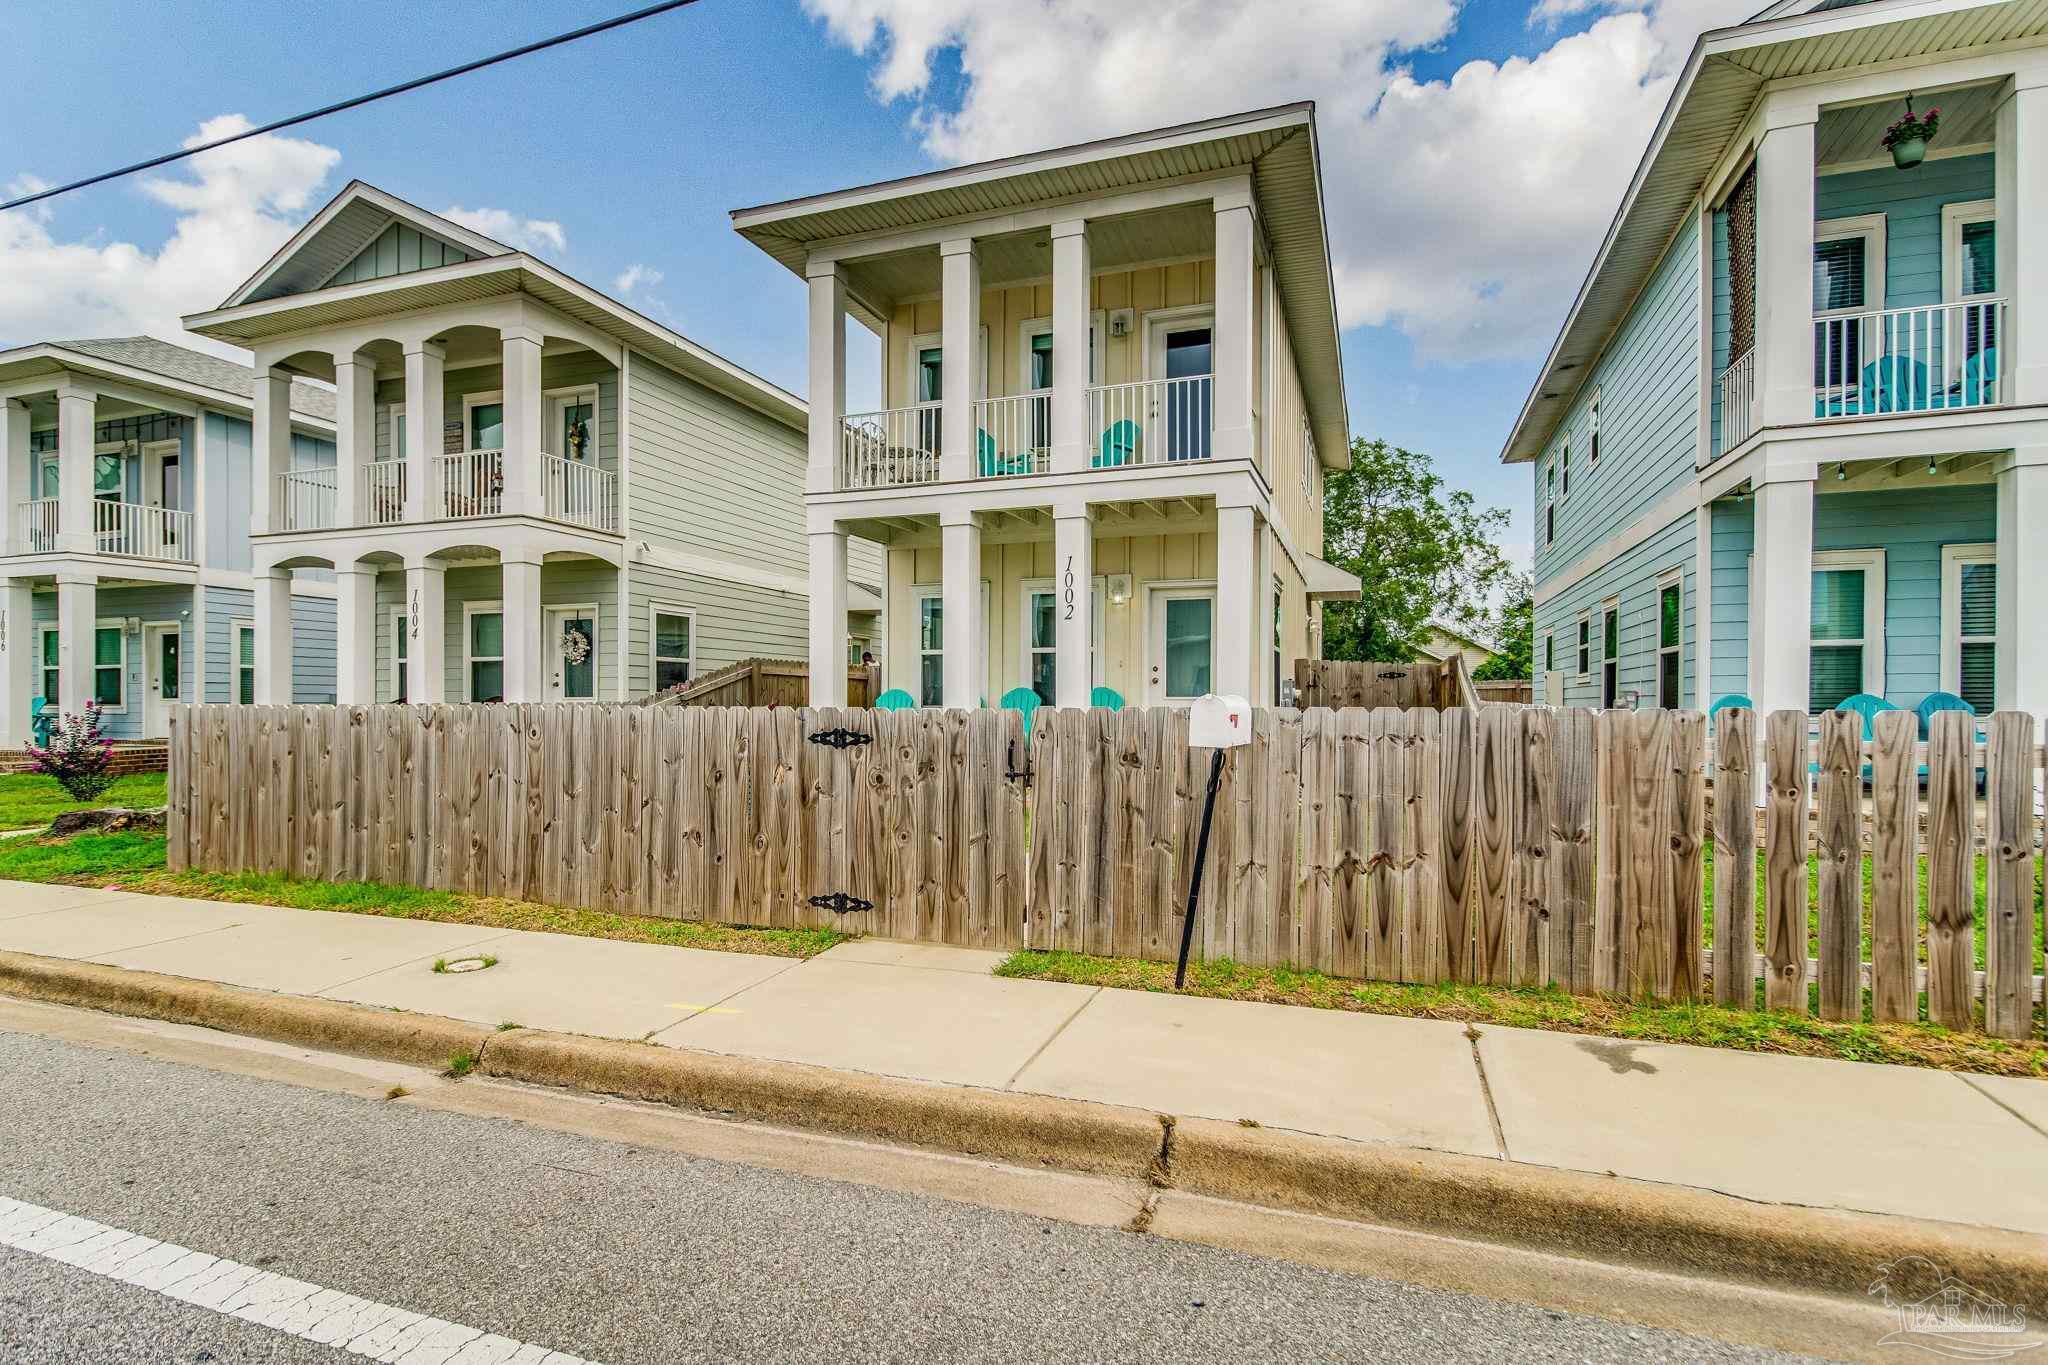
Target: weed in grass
[[440, 964], [396, 1092], [508, 1026], [460, 1065]]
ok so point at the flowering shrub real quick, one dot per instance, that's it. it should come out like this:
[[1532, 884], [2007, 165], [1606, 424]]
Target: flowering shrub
[[77, 755], [1911, 128]]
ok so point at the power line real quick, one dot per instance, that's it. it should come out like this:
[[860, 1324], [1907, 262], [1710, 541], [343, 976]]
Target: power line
[[401, 88]]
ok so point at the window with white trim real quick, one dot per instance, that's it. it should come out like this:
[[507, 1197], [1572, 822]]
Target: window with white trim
[[674, 643], [1969, 624], [400, 653], [1593, 431], [1565, 460], [1610, 652], [245, 663], [1549, 651], [1670, 639], [47, 653], [1847, 635], [1585, 646], [931, 648], [1040, 613], [1549, 504], [1848, 279], [483, 645]]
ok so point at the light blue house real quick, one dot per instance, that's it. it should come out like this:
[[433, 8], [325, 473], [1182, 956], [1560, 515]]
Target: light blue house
[[126, 568], [1792, 441]]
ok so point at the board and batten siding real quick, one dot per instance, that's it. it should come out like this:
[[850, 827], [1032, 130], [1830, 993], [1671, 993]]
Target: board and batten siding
[[1648, 384], [1911, 527], [1635, 578]]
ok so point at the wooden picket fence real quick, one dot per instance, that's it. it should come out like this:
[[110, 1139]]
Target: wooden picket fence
[[1497, 844]]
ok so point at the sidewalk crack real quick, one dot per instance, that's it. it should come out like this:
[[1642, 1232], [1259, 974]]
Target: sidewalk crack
[[1039, 1051], [728, 996], [1500, 1136], [1972, 1083]]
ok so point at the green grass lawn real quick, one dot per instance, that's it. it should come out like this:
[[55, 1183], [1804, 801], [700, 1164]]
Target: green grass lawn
[[1704, 1025], [135, 862], [28, 800]]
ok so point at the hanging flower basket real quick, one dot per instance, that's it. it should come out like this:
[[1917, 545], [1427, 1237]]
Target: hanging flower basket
[[575, 647], [1908, 138]]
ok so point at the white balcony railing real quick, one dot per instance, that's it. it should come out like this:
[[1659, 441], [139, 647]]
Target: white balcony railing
[[574, 491], [305, 499], [1738, 400], [1907, 360], [131, 528], [1013, 435], [1152, 421], [381, 499], [890, 448], [469, 484], [39, 526]]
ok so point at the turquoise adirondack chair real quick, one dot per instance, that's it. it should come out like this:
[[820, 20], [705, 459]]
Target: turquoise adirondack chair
[[1108, 697], [1119, 445], [1025, 702], [1980, 379], [1934, 703], [1866, 705], [1730, 702], [895, 699], [41, 715], [1894, 383]]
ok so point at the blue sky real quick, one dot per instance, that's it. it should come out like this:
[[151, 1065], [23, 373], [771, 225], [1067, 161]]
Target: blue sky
[[637, 143]]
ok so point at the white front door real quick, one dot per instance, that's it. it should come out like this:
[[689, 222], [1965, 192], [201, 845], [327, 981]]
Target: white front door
[[161, 647], [571, 653], [1181, 653]]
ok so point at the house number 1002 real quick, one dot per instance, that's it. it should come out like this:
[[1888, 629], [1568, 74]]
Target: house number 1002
[[1069, 588]]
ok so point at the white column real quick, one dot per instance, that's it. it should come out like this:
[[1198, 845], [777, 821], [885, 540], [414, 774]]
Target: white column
[[1263, 648], [1784, 270], [17, 660], [355, 635], [1073, 546], [1231, 341], [424, 402], [19, 475], [964, 636], [1236, 566], [828, 376], [426, 631], [2021, 187], [273, 637], [77, 621], [355, 431], [1071, 280], [524, 427], [270, 445], [1781, 598], [2022, 650], [828, 618], [75, 426], [206, 541], [960, 277], [525, 666]]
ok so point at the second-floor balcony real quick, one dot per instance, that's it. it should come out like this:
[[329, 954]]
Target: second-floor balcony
[[1145, 422], [464, 485], [132, 529]]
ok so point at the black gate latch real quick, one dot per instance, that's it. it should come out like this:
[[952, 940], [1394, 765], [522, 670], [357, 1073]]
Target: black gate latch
[[841, 739], [839, 903]]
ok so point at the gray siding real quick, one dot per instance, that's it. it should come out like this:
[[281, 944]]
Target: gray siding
[[561, 584], [734, 621], [575, 369], [146, 606], [1633, 579]]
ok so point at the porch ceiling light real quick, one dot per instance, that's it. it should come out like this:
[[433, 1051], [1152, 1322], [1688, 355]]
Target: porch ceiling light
[[1841, 472], [1932, 468]]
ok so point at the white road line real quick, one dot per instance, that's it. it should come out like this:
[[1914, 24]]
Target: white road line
[[327, 1316]]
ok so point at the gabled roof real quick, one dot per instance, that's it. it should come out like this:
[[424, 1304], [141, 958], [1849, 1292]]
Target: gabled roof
[[194, 374], [1716, 91], [1279, 146], [334, 236]]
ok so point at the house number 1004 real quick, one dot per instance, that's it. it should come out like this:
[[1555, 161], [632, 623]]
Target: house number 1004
[[1069, 588]]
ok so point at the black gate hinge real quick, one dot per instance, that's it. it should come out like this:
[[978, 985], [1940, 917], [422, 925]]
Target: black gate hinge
[[839, 903], [841, 738]]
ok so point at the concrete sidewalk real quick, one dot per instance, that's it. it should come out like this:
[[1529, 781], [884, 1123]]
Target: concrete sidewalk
[[1789, 1130]]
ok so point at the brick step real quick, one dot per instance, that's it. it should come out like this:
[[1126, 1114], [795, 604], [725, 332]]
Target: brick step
[[130, 756]]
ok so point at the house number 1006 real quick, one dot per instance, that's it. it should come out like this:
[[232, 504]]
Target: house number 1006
[[1068, 582]]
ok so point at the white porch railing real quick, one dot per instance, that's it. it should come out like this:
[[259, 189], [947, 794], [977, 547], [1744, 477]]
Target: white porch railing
[[1013, 435], [39, 526], [1907, 360], [470, 484], [131, 528], [890, 448], [1738, 400], [1152, 421], [381, 501], [580, 493], [305, 499]]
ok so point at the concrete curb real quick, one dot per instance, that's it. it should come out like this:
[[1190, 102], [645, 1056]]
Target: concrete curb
[[1662, 1227], [391, 1035]]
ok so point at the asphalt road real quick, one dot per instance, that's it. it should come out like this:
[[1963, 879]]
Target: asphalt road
[[623, 1255]]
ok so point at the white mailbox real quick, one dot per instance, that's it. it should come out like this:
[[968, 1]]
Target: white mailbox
[[1219, 722]]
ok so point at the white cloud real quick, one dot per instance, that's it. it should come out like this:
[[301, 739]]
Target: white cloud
[[636, 276], [526, 234], [1463, 211], [235, 206]]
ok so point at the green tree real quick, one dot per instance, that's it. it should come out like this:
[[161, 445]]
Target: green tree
[[1419, 548], [1514, 637]]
